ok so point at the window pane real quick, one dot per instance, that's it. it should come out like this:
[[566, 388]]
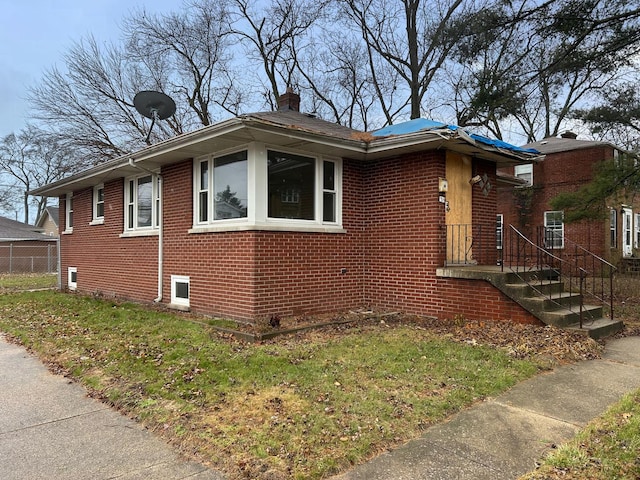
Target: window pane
[[291, 186], [230, 183], [203, 200], [145, 198], [329, 207], [329, 176], [182, 290], [204, 175], [100, 210], [554, 229]]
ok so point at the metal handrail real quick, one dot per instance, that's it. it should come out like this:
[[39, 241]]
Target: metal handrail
[[468, 244], [596, 269], [524, 256]]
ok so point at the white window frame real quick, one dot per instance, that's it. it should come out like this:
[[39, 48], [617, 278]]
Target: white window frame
[[180, 301], [636, 229], [499, 231], [210, 191], [627, 232], [131, 206], [68, 213], [613, 228], [71, 273], [319, 191], [524, 170], [97, 219], [257, 195], [553, 230]]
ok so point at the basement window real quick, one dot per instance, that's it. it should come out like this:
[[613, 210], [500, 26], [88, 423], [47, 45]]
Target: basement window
[[180, 290], [72, 278]]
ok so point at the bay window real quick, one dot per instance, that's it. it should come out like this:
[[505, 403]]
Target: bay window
[[222, 188], [262, 188]]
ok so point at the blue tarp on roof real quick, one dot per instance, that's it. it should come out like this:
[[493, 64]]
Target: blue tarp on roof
[[419, 124]]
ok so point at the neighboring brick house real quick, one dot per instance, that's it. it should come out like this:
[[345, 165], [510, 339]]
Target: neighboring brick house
[[568, 165], [281, 213]]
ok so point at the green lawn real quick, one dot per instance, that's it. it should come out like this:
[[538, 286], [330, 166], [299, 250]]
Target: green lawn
[[27, 281], [303, 406], [608, 449]]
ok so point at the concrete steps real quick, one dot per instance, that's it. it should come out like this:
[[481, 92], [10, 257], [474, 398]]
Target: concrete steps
[[541, 294], [547, 300]]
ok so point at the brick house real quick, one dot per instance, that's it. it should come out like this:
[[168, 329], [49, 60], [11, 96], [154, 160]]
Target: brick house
[[568, 165], [281, 213]]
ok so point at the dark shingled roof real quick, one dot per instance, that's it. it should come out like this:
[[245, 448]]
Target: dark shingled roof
[[307, 122], [557, 144], [11, 230]]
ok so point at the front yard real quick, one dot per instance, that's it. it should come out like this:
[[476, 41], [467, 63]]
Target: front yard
[[302, 406]]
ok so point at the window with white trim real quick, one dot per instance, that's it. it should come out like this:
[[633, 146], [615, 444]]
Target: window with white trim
[[554, 229], [221, 188], [525, 172], [291, 186], [72, 278], [68, 213], [98, 204], [300, 187], [499, 230], [142, 203], [613, 228], [264, 188], [180, 290], [636, 230]]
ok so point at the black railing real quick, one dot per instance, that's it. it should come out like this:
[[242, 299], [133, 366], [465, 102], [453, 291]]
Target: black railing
[[598, 279], [471, 245], [558, 259]]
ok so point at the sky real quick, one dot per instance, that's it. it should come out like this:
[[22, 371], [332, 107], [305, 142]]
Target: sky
[[35, 35]]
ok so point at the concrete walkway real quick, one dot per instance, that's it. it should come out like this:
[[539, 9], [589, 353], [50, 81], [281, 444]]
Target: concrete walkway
[[502, 438], [50, 429]]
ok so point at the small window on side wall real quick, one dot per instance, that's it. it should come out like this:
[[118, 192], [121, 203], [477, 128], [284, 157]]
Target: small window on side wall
[[72, 278], [180, 290], [98, 205], [525, 172], [68, 213]]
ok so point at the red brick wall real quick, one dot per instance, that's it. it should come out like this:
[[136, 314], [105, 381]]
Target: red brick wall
[[253, 275], [106, 263], [386, 260], [559, 172]]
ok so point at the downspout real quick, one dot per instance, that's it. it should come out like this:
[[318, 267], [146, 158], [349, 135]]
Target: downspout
[[158, 299]]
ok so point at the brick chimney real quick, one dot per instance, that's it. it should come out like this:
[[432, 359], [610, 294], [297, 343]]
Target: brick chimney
[[289, 101], [569, 134]]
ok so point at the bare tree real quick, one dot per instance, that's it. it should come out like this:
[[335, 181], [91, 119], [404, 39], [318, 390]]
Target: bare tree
[[411, 37], [188, 55], [31, 159], [90, 103], [273, 36], [530, 64]]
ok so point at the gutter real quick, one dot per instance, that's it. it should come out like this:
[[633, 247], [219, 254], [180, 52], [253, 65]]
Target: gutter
[[158, 299]]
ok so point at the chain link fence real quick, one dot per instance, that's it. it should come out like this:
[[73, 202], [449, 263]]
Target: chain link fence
[[29, 257]]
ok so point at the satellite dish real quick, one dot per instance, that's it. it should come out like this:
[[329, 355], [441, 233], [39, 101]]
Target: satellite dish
[[154, 105]]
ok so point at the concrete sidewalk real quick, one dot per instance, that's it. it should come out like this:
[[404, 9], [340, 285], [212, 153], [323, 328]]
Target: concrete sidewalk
[[502, 438], [50, 429]]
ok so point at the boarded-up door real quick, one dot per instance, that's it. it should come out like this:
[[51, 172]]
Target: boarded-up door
[[458, 215]]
